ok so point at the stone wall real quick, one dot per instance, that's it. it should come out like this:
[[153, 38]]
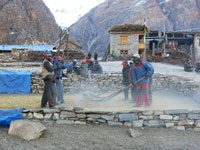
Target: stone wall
[[21, 55], [178, 119], [112, 82]]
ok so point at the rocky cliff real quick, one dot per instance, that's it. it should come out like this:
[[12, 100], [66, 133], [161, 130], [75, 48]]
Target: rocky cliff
[[26, 22], [173, 15]]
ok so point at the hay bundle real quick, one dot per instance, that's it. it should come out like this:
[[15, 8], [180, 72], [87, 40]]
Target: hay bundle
[[178, 58]]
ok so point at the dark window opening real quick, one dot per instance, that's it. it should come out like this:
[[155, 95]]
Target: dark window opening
[[141, 38], [169, 35], [178, 35], [153, 34], [155, 43]]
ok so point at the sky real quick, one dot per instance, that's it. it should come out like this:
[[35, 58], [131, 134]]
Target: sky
[[67, 12]]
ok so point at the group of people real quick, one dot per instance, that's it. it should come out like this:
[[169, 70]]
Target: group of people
[[52, 73], [90, 66], [139, 74], [189, 67]]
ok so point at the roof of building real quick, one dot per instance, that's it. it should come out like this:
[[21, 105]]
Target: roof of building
[[32, 47], [128, 28]]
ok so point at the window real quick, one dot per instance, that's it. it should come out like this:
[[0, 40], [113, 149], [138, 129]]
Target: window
[[124, 40], [123, 51]]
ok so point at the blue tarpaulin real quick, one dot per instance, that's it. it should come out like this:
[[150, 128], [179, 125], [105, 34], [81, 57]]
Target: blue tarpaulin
[[15, 82], [6, 116]]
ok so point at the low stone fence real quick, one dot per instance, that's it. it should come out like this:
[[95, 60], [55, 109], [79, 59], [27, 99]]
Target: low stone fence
[[20, 65], [178, 119], [112, 82]]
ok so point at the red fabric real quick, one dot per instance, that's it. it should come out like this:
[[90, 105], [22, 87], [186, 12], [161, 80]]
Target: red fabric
[[141, 65], [140, 95], [123, 62], [51, 102], [130, 74]]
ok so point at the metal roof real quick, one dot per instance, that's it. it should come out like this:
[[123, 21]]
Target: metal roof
[[33, 47]]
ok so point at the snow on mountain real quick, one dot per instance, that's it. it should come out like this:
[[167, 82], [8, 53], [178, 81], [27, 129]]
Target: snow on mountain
[[67, 12]]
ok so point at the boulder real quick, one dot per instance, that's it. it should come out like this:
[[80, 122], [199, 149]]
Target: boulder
[[134, 133], [26, 129]]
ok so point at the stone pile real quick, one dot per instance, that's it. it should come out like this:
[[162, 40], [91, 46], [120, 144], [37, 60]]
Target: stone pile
[[178, 119]]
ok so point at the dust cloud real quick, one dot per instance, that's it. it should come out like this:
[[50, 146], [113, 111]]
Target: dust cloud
[[161, 101]]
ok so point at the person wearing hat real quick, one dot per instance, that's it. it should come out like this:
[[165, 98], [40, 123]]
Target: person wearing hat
[[141, 70], [125, 76], [48, 76]]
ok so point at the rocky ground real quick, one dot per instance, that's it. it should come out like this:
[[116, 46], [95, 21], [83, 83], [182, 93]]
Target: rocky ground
[[101, 137]]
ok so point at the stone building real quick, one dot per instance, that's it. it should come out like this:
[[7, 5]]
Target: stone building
[[127, 39]]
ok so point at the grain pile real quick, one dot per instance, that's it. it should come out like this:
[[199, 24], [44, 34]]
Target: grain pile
[[178, 58]]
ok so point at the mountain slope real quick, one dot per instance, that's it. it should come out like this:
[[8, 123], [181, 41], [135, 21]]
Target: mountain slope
[[26, 22], [176, 15]]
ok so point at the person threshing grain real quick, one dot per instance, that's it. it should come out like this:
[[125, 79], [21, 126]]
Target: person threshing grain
[[141, 70], [48, 69]]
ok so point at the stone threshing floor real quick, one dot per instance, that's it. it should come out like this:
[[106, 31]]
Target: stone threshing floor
[[164, 101]]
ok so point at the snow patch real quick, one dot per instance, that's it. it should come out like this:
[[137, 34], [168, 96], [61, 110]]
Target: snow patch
[[164, 1], [141, 2], [90, 44]]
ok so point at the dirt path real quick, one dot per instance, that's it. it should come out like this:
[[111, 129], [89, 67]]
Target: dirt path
[[100, 137]]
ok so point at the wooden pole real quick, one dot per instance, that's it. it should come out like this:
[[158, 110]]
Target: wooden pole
[[67, 43]]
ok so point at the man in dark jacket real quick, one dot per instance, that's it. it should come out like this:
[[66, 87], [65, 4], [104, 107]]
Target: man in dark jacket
[[48, 77], [133, 88], [89, 55], [188, 67], [95, 56], [125, 75]]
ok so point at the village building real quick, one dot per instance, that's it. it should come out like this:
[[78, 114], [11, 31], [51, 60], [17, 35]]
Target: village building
[[126, 40], [158, 44], [69, 49]]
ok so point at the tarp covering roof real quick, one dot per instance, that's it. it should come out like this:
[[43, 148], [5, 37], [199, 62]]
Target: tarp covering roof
[[128, 28], [15, 82], [33, 47]]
